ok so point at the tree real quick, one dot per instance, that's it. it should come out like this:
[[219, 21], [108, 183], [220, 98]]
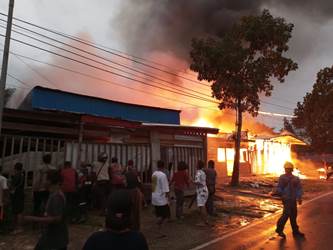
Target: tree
[[241, 65], [314, 116]]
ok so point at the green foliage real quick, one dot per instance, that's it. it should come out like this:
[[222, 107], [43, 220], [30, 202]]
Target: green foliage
[[242, 63], [314, 116]]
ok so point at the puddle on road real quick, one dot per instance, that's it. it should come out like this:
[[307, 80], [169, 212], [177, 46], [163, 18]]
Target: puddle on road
[[239, 210], [244, 222]]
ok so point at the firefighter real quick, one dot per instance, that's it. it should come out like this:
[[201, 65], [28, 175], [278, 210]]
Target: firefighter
[[290, 190]]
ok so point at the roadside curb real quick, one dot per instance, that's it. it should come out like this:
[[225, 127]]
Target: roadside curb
[[263, 220]]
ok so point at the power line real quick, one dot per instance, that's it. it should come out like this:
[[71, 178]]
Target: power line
[[111, 72], [100, 79], [105, 50], [35, 71], [32, 69], [106, 59], [123, 71], [98, 56], [20, 81], [125, 86], [87, 58], [265, 113], [277, 105], [104, 80], [265, 102], [284, 100], [260, 112]]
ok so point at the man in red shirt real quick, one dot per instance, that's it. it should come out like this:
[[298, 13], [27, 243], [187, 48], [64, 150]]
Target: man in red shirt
[[69, 187], [180, 179]]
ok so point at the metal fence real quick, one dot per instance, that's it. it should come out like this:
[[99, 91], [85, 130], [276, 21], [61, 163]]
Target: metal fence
[[30, 150], [191, 156], [140, 154]]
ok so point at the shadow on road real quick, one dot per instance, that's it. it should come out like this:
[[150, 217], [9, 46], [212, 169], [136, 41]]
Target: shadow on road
[[298, 243]]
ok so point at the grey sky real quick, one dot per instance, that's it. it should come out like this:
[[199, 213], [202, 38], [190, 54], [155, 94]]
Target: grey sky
[[113, 23]]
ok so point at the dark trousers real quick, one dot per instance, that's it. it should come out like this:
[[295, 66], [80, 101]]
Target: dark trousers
[[40, 247], [179, 202], [84, 202], [102, 190], [210, 203], [136, 198], [289, 212], [40, 198], [71, 205]]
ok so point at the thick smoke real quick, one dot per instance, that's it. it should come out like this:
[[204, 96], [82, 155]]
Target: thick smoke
[[169, 25], [319, 10]]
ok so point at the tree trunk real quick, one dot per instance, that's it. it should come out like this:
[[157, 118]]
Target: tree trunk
[[235, 172]]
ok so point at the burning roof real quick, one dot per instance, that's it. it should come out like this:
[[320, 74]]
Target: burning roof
[[285, 137]]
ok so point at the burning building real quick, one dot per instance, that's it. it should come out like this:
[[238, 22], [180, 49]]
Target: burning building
[[262, 150], [76, 128], [258, 154]]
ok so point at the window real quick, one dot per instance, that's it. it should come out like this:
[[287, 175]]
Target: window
[[221, 154]]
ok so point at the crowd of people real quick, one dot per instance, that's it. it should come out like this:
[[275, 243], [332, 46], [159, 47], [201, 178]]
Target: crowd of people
[[62, 196]]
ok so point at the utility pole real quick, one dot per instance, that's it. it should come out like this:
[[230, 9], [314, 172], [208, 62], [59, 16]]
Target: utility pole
[[5, 59]]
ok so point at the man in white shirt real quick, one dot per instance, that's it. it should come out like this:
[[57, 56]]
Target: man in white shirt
[[3, 190], [202, 191], [40, 188], [102, 185], [160, 190]]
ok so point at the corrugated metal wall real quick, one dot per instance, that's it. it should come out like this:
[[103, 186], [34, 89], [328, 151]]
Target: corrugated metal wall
[[175, 154], [139, 153], [30, 150]]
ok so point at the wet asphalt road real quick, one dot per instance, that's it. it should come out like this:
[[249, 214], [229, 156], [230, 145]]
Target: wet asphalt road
[[315, 220]]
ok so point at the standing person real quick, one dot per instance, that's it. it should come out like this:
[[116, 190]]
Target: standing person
[[117, 235], [3, 195], [102, 185], [40, 189], [55, 234], [202, 191], [17, 193], [211, 176], [159, 197], [84, 192], [132, 177], [180, 179], [117, 175], [69, 185], [290, 189], [133, 185]]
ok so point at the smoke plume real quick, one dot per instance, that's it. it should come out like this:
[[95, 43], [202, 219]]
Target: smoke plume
[[169, 25], [148, 25]]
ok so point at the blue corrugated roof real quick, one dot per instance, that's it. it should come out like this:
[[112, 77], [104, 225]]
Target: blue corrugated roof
[[51, 99]]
